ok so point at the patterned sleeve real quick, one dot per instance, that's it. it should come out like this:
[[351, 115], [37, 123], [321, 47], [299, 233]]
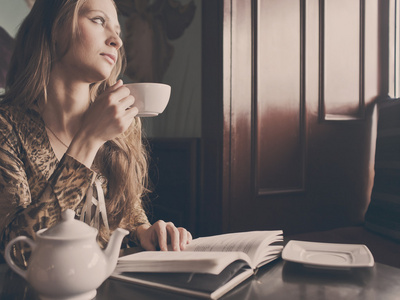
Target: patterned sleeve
[[132, 222], [20, 214]]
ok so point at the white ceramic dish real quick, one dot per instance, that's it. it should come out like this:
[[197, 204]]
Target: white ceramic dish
[[328, 255]]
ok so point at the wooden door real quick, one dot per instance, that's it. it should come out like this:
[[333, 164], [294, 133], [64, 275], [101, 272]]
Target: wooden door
[[289, 88]]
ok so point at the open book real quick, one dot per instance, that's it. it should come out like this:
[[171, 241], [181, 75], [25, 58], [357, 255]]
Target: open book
[[209, 267]]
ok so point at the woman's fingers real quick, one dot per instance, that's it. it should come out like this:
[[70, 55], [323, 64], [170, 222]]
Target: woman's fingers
[[124, 103], [131, 113], [167, 232], [173, 235], [161, 234], [161, 231], [116, 85], [185, 237]]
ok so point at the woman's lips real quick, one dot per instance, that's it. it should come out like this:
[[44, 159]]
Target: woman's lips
[[111, 58]]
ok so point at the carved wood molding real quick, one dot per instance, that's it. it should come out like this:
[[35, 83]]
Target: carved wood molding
[[279, 99], [341, 61]]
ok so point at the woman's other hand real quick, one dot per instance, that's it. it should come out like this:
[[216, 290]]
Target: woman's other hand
[[161, 234]]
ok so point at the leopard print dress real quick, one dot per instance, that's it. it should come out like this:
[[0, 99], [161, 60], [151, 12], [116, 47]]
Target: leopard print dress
[[34, 186]]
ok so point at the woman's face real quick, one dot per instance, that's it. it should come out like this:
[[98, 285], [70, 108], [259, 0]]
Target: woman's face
[[92, 54]]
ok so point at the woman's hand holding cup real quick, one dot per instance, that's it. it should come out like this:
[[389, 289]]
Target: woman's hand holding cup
[[108, 116]]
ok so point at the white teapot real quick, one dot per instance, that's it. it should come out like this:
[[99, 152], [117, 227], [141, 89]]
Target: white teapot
[[66, 261]]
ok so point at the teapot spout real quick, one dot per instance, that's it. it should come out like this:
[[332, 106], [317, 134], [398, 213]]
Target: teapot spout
[[113, 247]]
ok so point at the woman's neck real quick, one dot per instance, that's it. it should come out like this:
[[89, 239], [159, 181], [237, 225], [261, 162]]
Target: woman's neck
[[65, 106]]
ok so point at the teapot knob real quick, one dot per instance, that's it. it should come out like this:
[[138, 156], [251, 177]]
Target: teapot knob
[[68, 215]]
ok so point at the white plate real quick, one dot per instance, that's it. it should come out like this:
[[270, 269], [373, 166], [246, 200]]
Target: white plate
[[328, 255]]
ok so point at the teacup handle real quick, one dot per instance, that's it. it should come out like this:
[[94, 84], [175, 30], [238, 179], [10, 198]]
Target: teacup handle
[[9, 259]]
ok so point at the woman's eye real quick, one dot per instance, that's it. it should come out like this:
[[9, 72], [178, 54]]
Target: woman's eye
[[99, 20]]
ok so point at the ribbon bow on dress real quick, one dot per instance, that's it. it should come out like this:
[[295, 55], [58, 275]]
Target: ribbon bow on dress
[[99, 205]]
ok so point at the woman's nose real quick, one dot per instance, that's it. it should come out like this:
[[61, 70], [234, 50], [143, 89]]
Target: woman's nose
[[115, 41]]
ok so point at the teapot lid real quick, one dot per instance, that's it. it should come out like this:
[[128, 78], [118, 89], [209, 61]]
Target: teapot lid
[[68, 228]]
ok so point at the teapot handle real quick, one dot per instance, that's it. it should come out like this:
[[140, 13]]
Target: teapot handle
[[9, 259]]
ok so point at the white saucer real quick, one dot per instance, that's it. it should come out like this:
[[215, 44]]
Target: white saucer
[[328, 255], [145, 114]]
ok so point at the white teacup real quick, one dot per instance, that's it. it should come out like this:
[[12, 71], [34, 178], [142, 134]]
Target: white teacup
[[151, 99]]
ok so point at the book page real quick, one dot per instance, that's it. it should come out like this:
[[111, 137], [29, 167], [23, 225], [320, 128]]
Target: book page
[[247, 242], [173, 261]]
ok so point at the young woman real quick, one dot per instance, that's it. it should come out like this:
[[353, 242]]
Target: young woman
[[68, 131]]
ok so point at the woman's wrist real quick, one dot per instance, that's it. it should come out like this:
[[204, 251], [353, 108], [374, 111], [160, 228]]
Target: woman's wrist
[[84, 149]]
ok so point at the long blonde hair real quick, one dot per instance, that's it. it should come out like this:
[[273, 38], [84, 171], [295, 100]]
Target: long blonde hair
[[123, 160]]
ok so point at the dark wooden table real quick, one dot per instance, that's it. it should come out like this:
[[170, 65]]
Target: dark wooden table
[[278, 280]]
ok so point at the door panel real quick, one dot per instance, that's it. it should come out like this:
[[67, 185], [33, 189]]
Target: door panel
[[342, 27], [279, 98], [299, 83], [328, 40]]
